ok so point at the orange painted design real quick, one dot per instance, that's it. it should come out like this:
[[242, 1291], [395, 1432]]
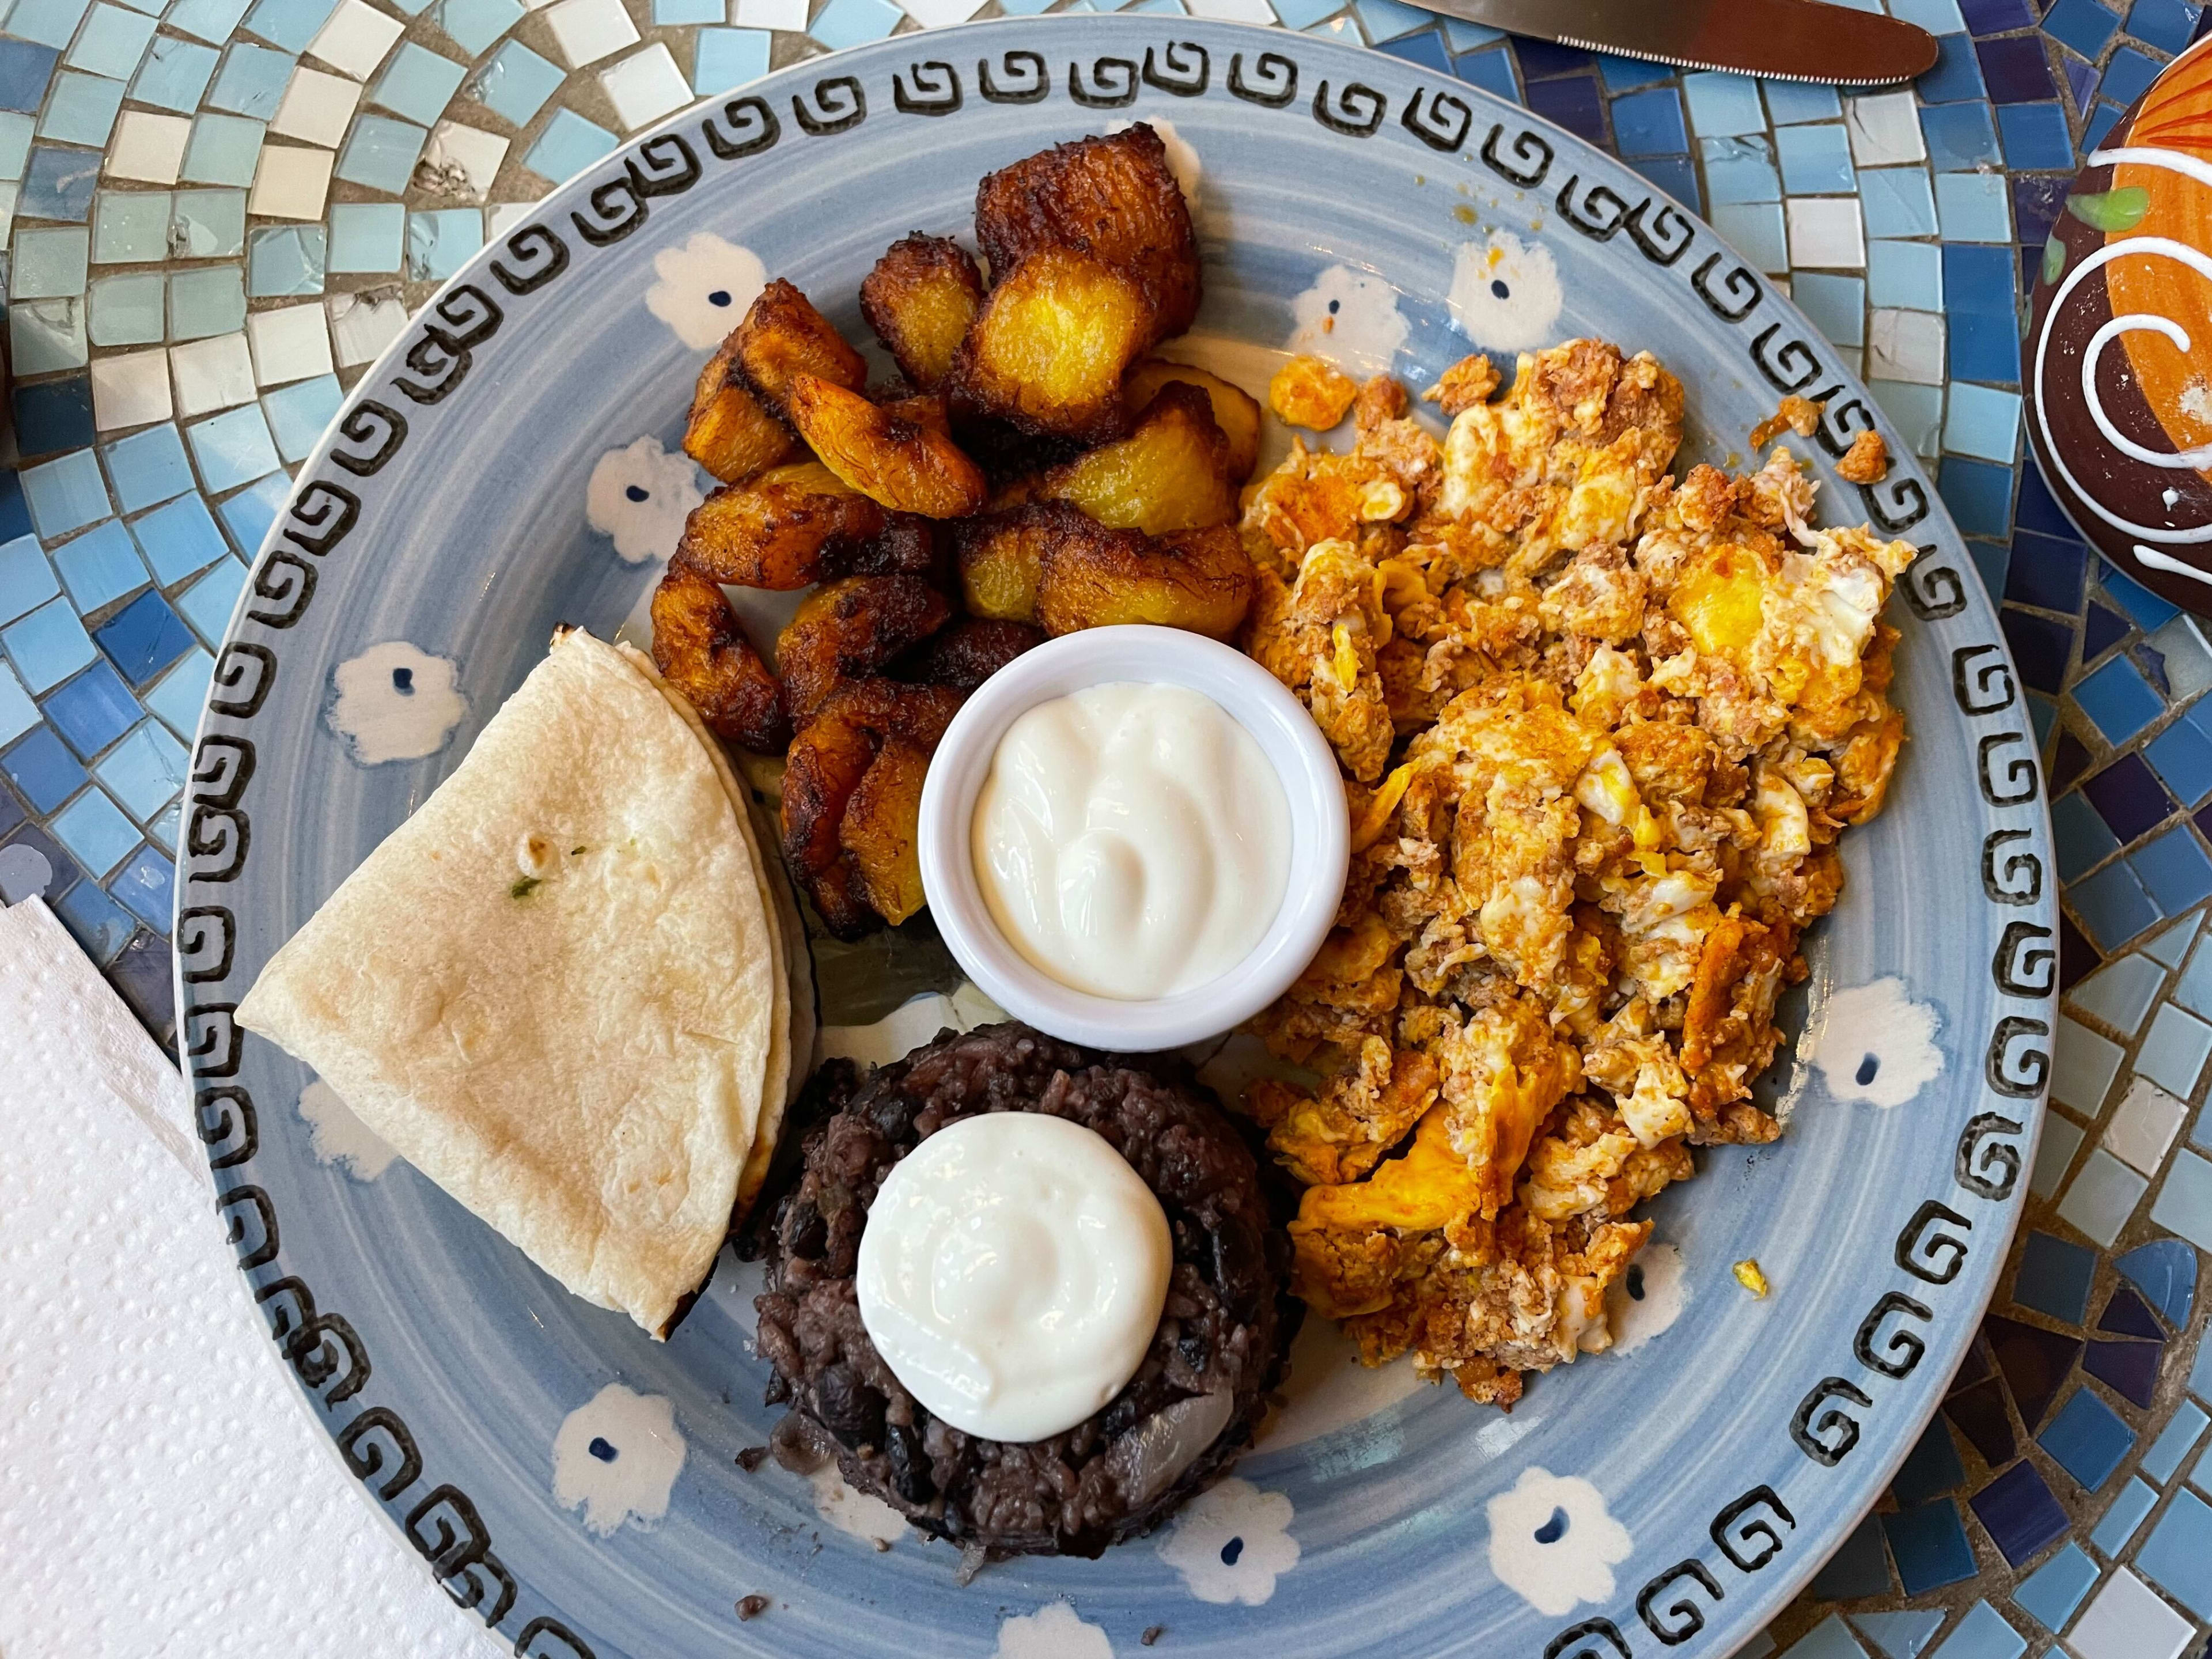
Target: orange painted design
[[2176, 114]]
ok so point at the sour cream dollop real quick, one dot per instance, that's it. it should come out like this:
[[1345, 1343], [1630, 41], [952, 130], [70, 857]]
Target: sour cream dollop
[[1012, 1272], [1132, 841]]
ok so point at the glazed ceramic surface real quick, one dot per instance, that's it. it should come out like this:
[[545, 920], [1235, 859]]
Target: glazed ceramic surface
[[2119, 346], [512, 463]]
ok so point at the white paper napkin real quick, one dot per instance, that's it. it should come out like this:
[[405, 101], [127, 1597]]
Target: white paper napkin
[[166, 1492]]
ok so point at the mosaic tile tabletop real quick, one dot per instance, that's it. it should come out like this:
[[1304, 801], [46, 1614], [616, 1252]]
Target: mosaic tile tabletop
[[218, 213]]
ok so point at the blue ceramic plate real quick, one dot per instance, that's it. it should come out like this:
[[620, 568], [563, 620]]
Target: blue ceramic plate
[[507, 466]]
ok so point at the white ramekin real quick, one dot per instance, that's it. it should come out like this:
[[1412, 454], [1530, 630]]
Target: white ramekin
[[1320, 836]]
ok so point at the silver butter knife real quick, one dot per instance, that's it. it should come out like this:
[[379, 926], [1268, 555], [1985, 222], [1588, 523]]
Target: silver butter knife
[[1790, 39]]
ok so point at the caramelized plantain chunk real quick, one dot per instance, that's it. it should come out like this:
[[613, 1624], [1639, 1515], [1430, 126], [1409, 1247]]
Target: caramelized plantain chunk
[[701, 649], [782, 336], [1171, 473], [729, 432], [887, 456], [1199, 580], [880, 832], [848, 630], [1309, 393], [1235, 411], [790, 526], [968, 652], [828, 759], [920, 299], [1049, 351], [1001, 556], [1115, 199]]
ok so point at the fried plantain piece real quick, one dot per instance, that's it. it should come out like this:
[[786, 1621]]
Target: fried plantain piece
[[1115, 199], [920, 299], [1171, 473], [783, 336], [1001, 556], [787, 527], [880, 832], [1235, 411], [701, 650], [1049, 350], [730, 432], [889, 456], [849, 630], [968, 652], [1199, 580], [828, 759], [1309, 393]]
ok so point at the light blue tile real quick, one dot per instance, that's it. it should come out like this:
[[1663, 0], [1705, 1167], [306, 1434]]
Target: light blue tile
[[283, 261], [16, 130], [368, 236], [1896, 202], [2053, 1591], [2118, 1525], [1755, 230], [48, 23], [515, 83], [1792, 101], [1383, 20], [567, 146], [2175, 1051], [148, 884], [1973, 207], [175, 75], [2184, 1203], [111, 43], [2178, 1556], [96, 831], [440, 243], [1829, 1639], [473, 25], [232, 447], [45, 335], [96, 921], [2175, 1442], [207, 604], [223, 150], [2104, 1195], [209, 224], [65, 494], [1916, 410], [49, 264], [248, 515], [18, 715], [182, 692], [2054, 1155], [2171, 946], [1982, 1634], [253, 80], [2194, 988], [2118, 700], [1961, 136], [380, 153], [728, 59], [211, 21], [1983, 422], [2173, 870], [852, 22], [162, 832], [1936, 16], [207, 301], [100, 566], [131, 227], [1739, 170], [298, 414], [1907, 276], [26, 580], [2121, 992], [47, 647], [127, 310], [1816, 160], [1836, 304], [668, 13], [289, 24], [144, 771], [178, 539], [417, 82]]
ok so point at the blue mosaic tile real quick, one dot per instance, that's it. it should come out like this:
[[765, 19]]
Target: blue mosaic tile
[[2101, 121], [18, 715], [2175, 1442], [1836, 304], [515, 83], [223, 150], [210, 224], [27, 580], [1724, 106], [1574, 102], [1815, 160], [1907, 274], [2055, 1277], [2129, 797], [145, 771], [177, 697], [96, 831], [49, 22], [15, 129], [2044, 572], [232, 447], [724, 58], [81, 109], [147, 885], [2151, 612], [1982, 1634], [297, 415], [1829, 1639], [282, 262], [1619, 74], [92, 710], [2173, 1053], [1978, 495], [1957, 76], [15, 509], [2081, 24], [58, 184], [248, 515], [1929, 1543], [211, 21], [1739, 170], [2183, 1204], [1541, 59], [253, 81], [48, 646], [2165, 1272], [474, 25], [2016, 70], [417, 82], [2019, 1513], [207, 602], [1755, 230], [42, 766], [569, 144], [100, 566], [53, 414], [850, 22], [26, 67], [290, 24], [1973, 207], [100, 926], [2087, 1439], [2167, 25], [2181, 756], [2112, 1534], [1860, 1568], [1491, 70], [1902, 1634], [1932, 1469], [2128, 75], [2178, 1555], [54, 872], [367, 237], [2035, 136], [1790, 102], [2173, 870], [1675, 174], [1961, 136], [439, 243], [380, 153], [143, 638], [1425, 50]]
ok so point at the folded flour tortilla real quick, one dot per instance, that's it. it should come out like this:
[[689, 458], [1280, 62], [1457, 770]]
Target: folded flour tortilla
[[558, 989]]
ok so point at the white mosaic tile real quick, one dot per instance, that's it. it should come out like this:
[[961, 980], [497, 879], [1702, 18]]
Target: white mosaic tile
[[130, 389], [645, 86], [1825, 232], [465, 160], [2144, 1125], [2102, 1198], [2171, 946], [936, 14], [2175, 1051], [147, 148], [2082, 1066], [316, 106], [1885, 129], [362, 324], [2121, 992], [355, 39], [585, 31], [289, 343], [290, 183], [2188, 661], [503, 216], [771, 15], [1905, 345], [212, 374], [2127, 1620], [1233, 11]]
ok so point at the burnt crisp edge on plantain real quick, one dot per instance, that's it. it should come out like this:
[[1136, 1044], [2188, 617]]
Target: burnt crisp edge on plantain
[[1222, 1336]]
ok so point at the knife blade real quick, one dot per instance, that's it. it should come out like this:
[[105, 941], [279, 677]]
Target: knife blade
[[1790, 39]]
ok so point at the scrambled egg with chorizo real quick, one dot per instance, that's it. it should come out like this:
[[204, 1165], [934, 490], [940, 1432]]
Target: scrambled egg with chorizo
[[1600, 730]]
